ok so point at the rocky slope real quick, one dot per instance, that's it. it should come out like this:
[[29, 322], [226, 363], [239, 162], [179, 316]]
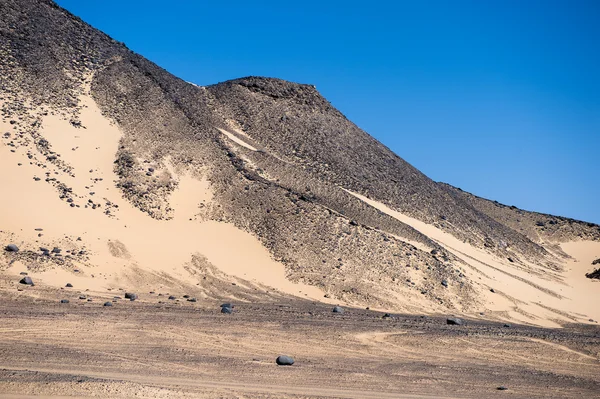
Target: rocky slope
[[281, 162]]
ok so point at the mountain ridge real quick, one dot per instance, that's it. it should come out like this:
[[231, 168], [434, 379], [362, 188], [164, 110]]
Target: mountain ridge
[[340, 210]]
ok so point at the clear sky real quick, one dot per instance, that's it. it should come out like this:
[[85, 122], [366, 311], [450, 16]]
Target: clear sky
[[498, 97]]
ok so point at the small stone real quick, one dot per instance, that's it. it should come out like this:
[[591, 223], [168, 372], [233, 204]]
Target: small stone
[[69, 285], [131, 296], [26, 280], [454, 321], [284, 361], [502, 388], [64, 301], [11, 248], [338, 309], [226, 310], [107, 304]]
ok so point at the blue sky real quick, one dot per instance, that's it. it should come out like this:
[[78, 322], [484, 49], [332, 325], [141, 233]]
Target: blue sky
[[499, 98]]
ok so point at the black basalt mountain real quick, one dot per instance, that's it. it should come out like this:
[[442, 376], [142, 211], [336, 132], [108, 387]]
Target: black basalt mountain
[[283, 164]]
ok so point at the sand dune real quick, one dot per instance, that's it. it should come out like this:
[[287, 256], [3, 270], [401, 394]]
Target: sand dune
[[523, 291], [126, 240]]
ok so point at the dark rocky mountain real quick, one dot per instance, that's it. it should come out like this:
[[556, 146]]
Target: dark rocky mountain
[[286, 185]]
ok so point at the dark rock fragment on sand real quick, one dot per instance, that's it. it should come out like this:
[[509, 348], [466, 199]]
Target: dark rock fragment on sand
[[107, 304], [64, 301], [26, 280], [226, 310], [284, 361], [11, 248], [455, 321], [338, 309], [69, 285], [131, 296], [595, 274]]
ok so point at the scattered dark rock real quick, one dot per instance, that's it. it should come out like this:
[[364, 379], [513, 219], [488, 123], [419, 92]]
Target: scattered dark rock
[[172, 298], [82, 297], [64, 301], [492, 290], [226, 310], [107, 304], [192, 300], [131, 296], [502, 388], [455, 321], [338, 309], [445, 283], [11, 248], [506, 325], [227, 305], [595, 274], [511, 260], [23, 273], [56, 250], [26, 280], [597, 261], [69, 285], [284, 361]]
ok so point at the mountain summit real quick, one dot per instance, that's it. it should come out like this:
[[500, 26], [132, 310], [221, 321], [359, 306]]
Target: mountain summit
[[256, 188]]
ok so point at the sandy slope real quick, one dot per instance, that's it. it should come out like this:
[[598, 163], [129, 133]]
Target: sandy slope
[[125, 241], [523, 292], [126, 247]]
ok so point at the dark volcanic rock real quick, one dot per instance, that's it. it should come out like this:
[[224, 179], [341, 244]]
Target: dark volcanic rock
[[595, 274], [455, 321], [11, 248], [226, 310], [284, 361], [26, 280], [69, 285], [597, 261], [64, 301], [131, 296], [107, 304], [338, 309]]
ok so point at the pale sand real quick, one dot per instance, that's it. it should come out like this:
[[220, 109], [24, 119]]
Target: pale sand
[[237, 140], [520, 294], [153, 246]]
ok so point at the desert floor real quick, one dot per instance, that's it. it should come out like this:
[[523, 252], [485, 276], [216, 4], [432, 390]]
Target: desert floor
[[182, 349]]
